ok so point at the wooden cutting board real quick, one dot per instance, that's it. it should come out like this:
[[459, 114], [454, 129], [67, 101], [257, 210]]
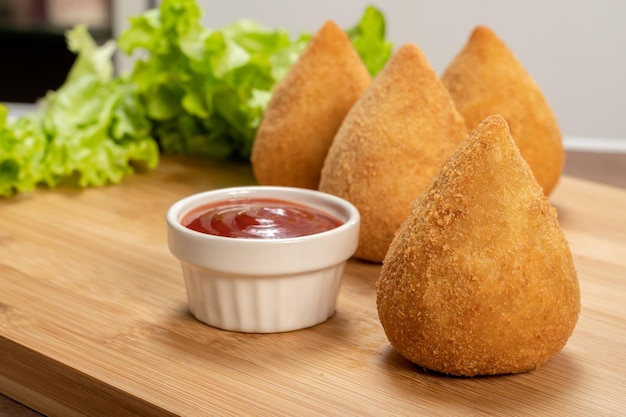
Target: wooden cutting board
[[94, 320]]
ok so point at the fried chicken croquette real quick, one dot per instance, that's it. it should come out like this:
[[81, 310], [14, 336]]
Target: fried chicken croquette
[[306, 110], [392, 142], [479, 279], [486, 78]]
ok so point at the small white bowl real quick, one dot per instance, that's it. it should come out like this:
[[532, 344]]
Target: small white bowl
[[263, 285]]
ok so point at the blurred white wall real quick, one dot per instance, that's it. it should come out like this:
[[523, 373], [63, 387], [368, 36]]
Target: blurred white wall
[[575, 50]]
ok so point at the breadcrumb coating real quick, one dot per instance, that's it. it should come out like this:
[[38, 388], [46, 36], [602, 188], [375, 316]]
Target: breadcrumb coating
[[486, 78], [392, 142], [479, 279], [306, 109]]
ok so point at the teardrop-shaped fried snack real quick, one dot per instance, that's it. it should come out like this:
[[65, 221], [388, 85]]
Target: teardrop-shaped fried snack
[[479, 279], [393, 141], [485, 78], [306, 110]]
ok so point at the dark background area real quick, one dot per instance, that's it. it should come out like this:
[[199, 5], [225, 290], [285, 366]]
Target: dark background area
[[34, 57]]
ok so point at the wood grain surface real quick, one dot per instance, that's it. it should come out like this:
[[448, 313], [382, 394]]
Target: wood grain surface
[[94, 320]]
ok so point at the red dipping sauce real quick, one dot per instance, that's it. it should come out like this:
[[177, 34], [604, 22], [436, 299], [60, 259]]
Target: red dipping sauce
[[259, 218]]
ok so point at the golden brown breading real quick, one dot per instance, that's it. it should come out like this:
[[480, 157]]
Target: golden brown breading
[[479, 279], [306, 110], [485, 78], [393, 141]]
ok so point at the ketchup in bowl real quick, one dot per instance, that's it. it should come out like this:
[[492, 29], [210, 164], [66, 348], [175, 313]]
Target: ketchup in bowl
[[259, 218], [285, 284]]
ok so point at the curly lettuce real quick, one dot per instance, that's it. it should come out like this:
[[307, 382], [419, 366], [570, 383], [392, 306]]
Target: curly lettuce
[[368, 38], [196, 91], [206, 90], [91, 131]]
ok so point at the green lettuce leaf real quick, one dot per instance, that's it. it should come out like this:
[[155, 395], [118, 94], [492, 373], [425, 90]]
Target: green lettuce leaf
[[92, 130], [368, 38], [206, 90], [195, 91], [22, 149]]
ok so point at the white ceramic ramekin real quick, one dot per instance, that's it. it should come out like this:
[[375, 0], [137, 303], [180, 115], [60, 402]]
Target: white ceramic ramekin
[[263, 285]]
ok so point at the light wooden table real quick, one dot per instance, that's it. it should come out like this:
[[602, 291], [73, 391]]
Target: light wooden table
[[600, 167]]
